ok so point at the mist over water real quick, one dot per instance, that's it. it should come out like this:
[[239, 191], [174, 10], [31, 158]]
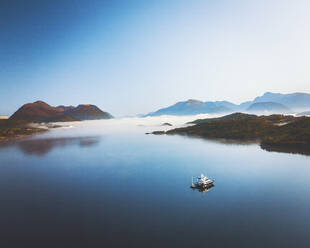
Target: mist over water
[[106, 184], [135, 124]]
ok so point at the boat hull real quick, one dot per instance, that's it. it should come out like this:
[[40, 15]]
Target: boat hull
[[199, 186]]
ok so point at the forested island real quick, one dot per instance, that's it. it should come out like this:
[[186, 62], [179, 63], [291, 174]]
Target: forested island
[[274, 132]]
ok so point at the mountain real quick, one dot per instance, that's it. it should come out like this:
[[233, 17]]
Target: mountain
[[87, 112], [243, 106], [271, 107], [304, 113], [40, 111], [225, 104], [272, 102], [193, 107], [295, 101]]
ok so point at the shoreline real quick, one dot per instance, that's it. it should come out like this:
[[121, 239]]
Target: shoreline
[[10, 131], [274, 133], [6, 139]]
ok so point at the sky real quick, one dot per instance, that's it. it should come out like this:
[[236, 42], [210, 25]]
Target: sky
[[136, 56]]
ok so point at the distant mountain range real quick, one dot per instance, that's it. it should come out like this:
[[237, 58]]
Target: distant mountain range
[[40, 111], [267, 103], [192, 107], [272, 107], [306, 113]]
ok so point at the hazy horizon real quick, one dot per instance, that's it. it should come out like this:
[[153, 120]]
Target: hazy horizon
[[135, 57], [143, 114]]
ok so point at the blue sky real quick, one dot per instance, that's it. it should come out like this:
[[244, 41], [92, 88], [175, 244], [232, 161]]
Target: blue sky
[[131, 57]]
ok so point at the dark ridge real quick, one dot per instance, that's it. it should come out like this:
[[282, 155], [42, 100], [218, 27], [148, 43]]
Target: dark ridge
[[166, 124], [304, 113], [276, 118], [270, 131]]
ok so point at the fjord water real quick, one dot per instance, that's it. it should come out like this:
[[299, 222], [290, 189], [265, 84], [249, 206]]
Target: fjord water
[[107, 184]]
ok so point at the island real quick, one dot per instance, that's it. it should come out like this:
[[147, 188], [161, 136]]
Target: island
[[40, 111], [21, 123], [16, 129], [273, 132]]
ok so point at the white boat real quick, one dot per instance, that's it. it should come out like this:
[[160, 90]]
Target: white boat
[[201, 182]]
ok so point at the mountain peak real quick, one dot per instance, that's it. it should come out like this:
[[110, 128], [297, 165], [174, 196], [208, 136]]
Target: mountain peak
[[40, 111], [84, 105], [268, 93], [272, 102], [194, 101], [40, 102], [87, 112], [192, 107]]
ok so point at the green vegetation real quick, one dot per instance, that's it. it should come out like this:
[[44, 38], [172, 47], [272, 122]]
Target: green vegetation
[[273, 131], [274, 119], [295, 133], [14, 129]]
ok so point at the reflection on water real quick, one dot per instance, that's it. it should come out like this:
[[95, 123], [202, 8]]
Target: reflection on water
[[203, 190], [41, 147], [132, 190], [294, 149], [233, 141]]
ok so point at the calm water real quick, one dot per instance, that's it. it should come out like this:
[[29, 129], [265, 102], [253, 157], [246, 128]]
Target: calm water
[[107, 184]]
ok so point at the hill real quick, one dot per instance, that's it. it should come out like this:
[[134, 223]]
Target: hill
[[64, 108], [275, 132], [235, 126], [40, 111], [304, 113], [271, 107], [274, 119], [193, 107], [271, 102], [295, 133], [294, 101], [87, 112]]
